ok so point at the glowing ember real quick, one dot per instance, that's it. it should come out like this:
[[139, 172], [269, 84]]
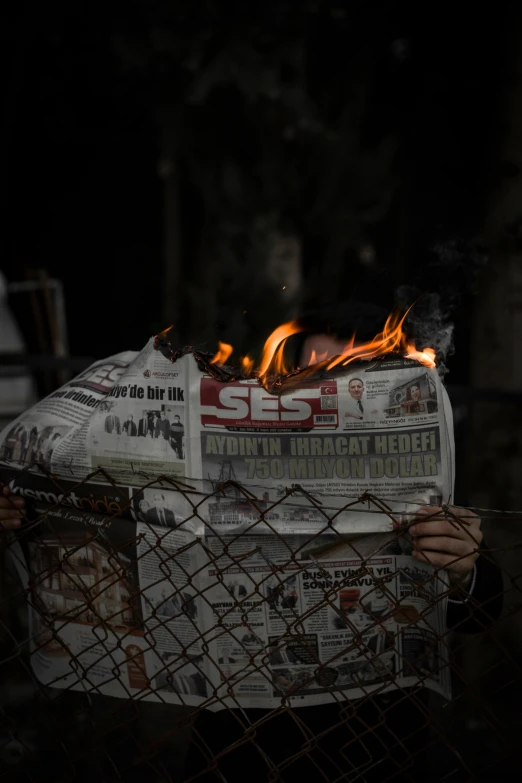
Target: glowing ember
[[224, 351]]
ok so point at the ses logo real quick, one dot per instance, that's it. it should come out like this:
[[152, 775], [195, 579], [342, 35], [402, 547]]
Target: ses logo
[[245, 404], [100, 377]]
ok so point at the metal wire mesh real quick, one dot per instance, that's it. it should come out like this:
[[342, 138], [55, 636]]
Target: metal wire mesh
[[70, 729]]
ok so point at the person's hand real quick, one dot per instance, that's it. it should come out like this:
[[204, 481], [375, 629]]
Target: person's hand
[[447, 539], [12, 510]]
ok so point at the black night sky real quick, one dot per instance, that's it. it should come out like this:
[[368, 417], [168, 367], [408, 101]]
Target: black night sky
[[84, 200]]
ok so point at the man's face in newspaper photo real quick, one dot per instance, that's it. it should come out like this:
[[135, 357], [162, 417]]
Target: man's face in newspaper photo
[[415, 393], [159, 501], [356, 388], [162, 414]]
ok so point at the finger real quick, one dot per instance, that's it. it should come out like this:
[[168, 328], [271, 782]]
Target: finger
[[448, 512], [12, 501], [445, 545], [9, 524], [10, 513], [435, 515], [9, 494], [10, 508], [429, 512], [451, 562], [444, 528]]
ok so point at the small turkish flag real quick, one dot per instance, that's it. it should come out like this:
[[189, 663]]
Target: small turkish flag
[[329, 389]]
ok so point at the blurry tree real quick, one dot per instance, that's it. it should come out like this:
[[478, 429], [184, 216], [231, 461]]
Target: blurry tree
[[273, 153]]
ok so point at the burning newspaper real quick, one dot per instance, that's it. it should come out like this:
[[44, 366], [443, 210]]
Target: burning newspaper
[[218, 544]]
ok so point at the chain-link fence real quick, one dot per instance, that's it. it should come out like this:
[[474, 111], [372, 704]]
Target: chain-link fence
[[134, 650]]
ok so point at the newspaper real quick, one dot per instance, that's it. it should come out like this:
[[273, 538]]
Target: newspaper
[[235, 513], [130, 610]]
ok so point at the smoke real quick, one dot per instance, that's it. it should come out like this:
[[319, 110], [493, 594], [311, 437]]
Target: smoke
[[429, 322], [449, 275]]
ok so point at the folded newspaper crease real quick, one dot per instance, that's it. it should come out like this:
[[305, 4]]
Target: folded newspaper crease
[[253, 535]]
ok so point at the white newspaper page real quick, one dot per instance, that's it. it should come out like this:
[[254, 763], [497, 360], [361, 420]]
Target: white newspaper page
[[148, 407], [168, 565], [355, 451], [53, 433], [300, 461], [114, 607], [318, 631], [136, 610], [147, 449]]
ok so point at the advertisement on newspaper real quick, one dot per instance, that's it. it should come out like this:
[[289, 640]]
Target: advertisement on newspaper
[[111, 602]]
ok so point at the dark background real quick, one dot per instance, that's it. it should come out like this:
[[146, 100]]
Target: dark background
[[345, 125]]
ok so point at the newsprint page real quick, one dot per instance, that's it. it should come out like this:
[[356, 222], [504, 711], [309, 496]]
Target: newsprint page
[[208, 543]]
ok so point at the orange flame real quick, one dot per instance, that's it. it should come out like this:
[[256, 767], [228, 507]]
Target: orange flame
[[385, 342], [315, 358], [391, 339], [223, 353], [164, 333], [426, 357], [272, 358], [247, 364]]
